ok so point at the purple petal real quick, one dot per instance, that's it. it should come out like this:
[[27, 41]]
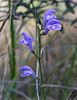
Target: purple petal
[[27, 40], [50, 11], [54, 27], [22, 41], [53, 24], [53, 21], [26, 71], [49, 14], [25, 68], [27, 37], [29, 44]]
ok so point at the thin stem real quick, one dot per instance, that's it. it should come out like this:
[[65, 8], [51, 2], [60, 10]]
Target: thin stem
[[39, 60], [59, 86], [12, 54], [36, 55], [38, 52], [4, 23], [37, 66], [37, 81]]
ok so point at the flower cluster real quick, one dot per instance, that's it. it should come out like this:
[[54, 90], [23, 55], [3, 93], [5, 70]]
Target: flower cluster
[[27, 40], [50, 21]]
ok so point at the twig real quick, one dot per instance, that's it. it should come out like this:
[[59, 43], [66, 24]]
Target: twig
[[8, 16], [59, 86], [4, 23], [13, 81], [8, 51]]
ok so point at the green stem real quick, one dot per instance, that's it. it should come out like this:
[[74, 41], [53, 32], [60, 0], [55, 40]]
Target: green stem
[[38, 42], [12, 53], [40, 68], [38, 51]]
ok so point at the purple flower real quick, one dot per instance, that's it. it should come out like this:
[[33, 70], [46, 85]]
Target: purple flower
[[27, 40], [49, 14], [53, 24], [50, 21], [26, 71]]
